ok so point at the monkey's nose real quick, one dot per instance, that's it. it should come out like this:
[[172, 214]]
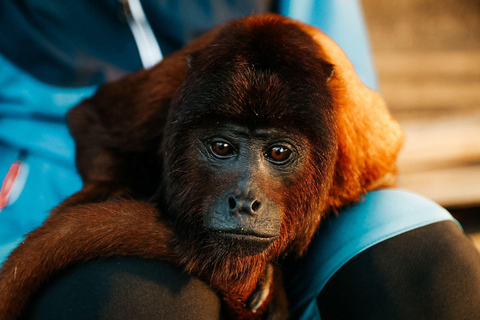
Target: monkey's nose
[[240, 205]]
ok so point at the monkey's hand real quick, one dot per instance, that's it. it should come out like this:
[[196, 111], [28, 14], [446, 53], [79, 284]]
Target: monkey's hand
[[262, 292], [270, 290]]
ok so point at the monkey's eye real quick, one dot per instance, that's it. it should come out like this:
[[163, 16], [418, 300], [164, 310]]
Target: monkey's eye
[[222, 149], [278, 154]]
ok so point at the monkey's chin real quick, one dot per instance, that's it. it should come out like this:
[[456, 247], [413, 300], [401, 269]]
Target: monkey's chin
[[241, 244]]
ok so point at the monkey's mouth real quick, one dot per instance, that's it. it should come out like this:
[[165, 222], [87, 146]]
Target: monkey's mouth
[[242, 242], [244, 234]]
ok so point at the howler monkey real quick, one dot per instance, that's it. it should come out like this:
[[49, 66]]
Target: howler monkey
[[220, 159]]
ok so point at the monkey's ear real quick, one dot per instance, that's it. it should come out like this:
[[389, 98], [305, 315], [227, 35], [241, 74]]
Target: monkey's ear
[[331, 73], [328, 70], [369, 139], [189, 61]]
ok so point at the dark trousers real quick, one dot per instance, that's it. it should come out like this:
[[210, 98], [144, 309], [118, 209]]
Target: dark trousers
[[432, 272]]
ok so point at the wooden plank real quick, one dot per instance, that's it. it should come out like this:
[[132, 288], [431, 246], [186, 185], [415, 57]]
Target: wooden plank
[[440, 142], [430, 80], [395, 64], [441, 157], [409, 95], [449, 187]]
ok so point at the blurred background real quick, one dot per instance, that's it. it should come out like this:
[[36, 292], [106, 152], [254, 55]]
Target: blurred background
[[427, 55]]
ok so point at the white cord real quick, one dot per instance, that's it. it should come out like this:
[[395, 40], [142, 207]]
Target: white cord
[[147, 44]]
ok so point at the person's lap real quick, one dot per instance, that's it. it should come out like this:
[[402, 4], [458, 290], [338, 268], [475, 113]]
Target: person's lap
[[125, 288], [430, 270]]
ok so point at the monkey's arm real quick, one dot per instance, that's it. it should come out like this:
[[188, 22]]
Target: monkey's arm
[[80, 233]]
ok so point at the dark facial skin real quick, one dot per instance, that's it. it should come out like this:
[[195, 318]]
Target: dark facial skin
[[253, 167]]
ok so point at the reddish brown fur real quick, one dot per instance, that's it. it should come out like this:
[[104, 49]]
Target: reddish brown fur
[[352, 150], [103, 229]]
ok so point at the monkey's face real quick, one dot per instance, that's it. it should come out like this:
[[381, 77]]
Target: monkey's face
[[247, 172], [250, 144], [244, 173]]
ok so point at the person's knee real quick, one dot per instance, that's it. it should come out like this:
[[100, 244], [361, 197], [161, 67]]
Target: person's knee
[[125, 288], [432, 272]]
